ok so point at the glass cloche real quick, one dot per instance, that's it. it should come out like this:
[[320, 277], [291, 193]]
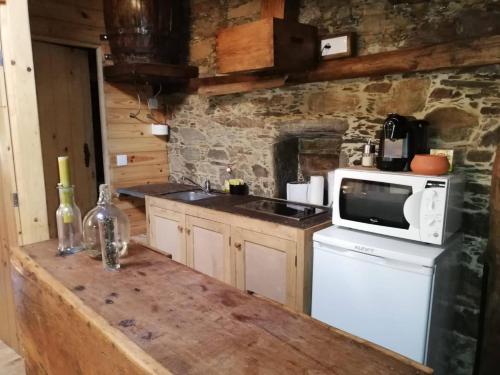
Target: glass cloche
[[105, 209]]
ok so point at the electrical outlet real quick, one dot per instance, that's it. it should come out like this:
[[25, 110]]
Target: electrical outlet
[[121, 160], [338, 45], [153, 103]]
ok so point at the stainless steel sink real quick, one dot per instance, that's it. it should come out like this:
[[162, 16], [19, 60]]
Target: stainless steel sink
[[190, 196]]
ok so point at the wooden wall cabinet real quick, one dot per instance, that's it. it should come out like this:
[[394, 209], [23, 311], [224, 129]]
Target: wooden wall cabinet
[[266, 259], [268, 44]]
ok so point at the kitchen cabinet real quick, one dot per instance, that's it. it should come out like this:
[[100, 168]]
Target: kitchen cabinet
[[264, 258], [267, 44], [265, 265], [166, 232], [208, 249]]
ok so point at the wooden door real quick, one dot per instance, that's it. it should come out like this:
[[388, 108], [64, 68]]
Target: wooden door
[[265, 265], [65, 111], [166, 232], [208, 249]]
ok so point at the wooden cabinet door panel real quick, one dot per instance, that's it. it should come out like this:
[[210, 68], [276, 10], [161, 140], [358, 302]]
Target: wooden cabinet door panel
[[166, 232], [266, 271], [265, 265], [208, 248]]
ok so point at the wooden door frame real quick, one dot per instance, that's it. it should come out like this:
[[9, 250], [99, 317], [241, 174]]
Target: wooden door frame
[[21, 164], [26, 154], [20, 91]]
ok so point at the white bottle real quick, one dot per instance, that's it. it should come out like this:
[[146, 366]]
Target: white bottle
[[368, 159]]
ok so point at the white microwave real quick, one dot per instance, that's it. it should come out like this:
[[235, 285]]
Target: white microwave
[[398, 204]]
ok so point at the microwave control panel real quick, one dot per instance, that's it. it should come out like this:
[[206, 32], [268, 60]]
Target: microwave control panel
[[432, 211]]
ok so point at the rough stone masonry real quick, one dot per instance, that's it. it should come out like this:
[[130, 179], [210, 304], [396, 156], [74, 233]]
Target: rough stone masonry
[[463, 107]]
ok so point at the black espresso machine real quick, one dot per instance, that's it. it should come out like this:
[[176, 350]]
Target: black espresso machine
[[402, 138]]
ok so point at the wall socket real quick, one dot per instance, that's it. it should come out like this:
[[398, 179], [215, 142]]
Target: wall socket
[[335, 46], [121, 160]]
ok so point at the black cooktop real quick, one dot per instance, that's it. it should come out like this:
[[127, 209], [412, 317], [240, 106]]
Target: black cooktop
[[296, 211]]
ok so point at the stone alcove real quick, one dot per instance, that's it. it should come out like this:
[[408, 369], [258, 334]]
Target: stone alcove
[[305, 149]]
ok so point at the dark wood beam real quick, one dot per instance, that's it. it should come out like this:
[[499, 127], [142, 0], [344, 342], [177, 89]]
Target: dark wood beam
[[224, 85], [456, 54], [149, 72]]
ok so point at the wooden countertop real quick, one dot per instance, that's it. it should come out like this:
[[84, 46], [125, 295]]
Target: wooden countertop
[[169, 318], [229, 203], [223, 203]]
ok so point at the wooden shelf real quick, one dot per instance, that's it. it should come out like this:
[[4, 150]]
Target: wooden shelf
[[231, 84], [149, 72], [456, 54]]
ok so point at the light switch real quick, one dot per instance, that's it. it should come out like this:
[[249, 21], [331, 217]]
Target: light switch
[[121, 160]]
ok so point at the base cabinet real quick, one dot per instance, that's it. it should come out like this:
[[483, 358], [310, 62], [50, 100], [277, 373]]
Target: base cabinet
[[208, 249], [266, 259], [166, 232], [265, 265]]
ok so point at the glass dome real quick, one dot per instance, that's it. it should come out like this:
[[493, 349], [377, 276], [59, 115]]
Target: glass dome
[[105, 209]]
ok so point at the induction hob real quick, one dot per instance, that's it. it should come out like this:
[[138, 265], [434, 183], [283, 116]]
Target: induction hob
[[295, 211]]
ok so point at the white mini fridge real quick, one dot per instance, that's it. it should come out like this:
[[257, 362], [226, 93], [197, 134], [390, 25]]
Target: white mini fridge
[[396, 293]]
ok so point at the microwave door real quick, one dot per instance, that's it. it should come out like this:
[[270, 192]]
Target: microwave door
[[374, 202]]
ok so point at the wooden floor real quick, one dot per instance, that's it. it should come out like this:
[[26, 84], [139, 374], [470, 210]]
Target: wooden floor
[[10, 362]]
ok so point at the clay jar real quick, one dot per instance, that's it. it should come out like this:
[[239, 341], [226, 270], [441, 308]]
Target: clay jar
[[433, 165]]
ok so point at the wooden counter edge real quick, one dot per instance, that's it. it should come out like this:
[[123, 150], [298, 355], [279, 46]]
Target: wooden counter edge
[[418, 366], [24, 264]]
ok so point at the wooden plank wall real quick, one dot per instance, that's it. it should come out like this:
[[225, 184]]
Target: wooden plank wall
[[80, 23], [146, 153]]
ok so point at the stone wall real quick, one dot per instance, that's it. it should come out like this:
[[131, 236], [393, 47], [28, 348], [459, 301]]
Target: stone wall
[[461, 105]]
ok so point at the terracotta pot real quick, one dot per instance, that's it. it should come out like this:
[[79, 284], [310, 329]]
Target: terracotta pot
[[433, 165]]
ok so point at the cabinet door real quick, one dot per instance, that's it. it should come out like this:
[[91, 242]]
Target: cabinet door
[[166, 232], [208, 249], [265, 265]]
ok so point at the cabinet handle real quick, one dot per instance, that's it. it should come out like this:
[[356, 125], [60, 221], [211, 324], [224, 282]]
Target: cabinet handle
[[180, 229], [237, 245], [188, 231]]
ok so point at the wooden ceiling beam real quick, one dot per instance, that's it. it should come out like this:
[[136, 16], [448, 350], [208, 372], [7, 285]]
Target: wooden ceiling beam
[[456, 54]]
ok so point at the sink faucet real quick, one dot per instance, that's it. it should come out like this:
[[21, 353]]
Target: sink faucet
[[205, 187]]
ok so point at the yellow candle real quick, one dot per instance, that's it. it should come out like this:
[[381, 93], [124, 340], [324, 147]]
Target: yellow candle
[[64, 172]]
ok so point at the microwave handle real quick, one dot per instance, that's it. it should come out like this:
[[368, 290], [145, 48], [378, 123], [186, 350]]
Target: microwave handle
[[411, 209]]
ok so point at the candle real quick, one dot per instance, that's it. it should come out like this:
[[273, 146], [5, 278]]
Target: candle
[[65, 190], [64, 173]]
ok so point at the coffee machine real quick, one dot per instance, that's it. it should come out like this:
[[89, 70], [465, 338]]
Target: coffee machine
[[402, 137]]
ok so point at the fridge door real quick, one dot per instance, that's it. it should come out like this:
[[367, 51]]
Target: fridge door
[[383, 301]]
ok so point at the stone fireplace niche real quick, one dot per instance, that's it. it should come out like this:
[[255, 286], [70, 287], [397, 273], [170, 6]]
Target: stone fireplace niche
[[298, 155]]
